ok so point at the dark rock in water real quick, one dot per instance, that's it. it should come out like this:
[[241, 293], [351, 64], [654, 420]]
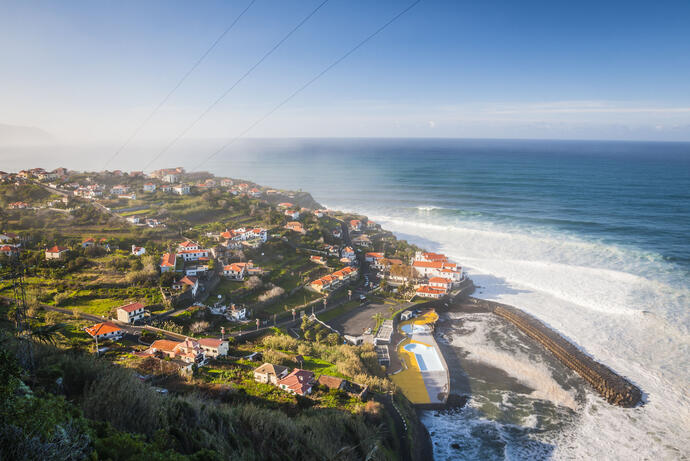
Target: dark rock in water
[[455, 445], [456, 401]]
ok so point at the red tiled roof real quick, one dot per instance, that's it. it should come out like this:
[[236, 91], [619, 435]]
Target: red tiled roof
[[210, 342], [131, 307], [298, 381], [429, 290], [168, 260], [102, 329], [56, 249], [164, 345], [188, 280], [440, 280]]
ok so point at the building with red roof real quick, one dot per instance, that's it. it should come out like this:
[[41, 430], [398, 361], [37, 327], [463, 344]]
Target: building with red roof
[[298, 382], [130, 313], [426, 291], [56, 252], [168, 262], [105, 330]]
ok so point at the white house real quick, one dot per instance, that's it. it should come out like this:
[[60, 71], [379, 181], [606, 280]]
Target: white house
[[372, 256], [237, 313], [105, 330], [56, 252], [294, 214], [441, 283], [130, 313], [171, 178], [355, 225], [234, 271], [348, 253], [168, 262], [149, 187], [119, 190], [426, 291], [138, 251], [213, 347], [181, 189], [193, 255], [190, 281]]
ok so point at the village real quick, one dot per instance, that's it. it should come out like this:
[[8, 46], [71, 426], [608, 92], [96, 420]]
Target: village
[[210, 291]]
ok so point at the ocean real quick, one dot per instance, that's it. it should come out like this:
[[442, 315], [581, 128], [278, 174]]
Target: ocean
[[593, 238]]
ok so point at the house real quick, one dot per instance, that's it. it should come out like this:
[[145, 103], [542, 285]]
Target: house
[[194, 255], [168, 262], [89, 242], [190, 281], [293, 214], [386, 263], [8, 250], [318, 260], [270, 374], [425, 291], [166, 188], [254, 192], [133, 219], [138, 251], [285, 205], [214, 347], [430, 257], [149, 187], [105, 330], [438, 269], [334, 280], [362, 241], [331, 382], [181, 189], [298, 382], [348, 253], [337, 233], [234, 271], [131, 196], [188, 245], [56, 252], [130, 313], [295, 226], [319, 213], [355, 225], [18, 205], [441, 283], [119, 190], [189, 351], [225, 182], [7, 236], [372, 256], [171, 178], [237, 313]]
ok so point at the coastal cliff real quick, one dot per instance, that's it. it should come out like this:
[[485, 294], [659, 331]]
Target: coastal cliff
[[612, 387]]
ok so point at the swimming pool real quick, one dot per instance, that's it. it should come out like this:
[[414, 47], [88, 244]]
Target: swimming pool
[[427, 357], [412, 328]]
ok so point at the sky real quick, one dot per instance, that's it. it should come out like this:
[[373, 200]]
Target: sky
[[92, 72]]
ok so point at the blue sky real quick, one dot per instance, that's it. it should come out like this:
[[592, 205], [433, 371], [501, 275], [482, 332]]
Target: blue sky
[[92, 71]]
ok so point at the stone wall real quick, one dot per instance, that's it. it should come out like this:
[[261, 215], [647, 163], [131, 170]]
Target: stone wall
[[613, 387]]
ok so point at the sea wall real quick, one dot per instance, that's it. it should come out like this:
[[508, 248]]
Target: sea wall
[[613, 387]]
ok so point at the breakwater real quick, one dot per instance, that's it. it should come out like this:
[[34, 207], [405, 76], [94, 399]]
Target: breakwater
[[612, 387]]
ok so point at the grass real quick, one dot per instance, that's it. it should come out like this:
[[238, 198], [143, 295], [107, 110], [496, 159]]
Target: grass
[[94, 306]]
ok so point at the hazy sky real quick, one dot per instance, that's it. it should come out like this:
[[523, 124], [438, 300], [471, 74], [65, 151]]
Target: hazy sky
[[92, 71]]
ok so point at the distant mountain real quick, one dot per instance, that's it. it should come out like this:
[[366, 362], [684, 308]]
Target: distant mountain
[[11, 135]]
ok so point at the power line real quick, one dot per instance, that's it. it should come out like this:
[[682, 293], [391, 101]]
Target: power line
[[307, 84], [232, 87], [179, 83]]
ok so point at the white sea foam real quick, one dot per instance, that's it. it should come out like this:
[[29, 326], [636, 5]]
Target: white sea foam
[[627, 308], [533, 374]]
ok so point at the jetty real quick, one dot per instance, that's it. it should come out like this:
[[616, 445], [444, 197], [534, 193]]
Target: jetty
[[614, 388]]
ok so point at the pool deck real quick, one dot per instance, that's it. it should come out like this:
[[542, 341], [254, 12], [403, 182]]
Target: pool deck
[[421, 387]]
